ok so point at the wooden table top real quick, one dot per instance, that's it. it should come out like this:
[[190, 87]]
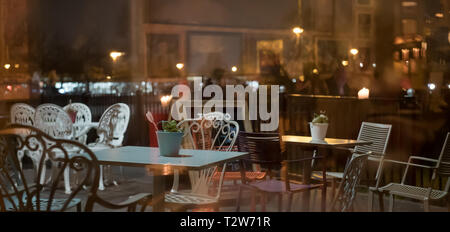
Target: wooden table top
[[328, 142], [15, 131]]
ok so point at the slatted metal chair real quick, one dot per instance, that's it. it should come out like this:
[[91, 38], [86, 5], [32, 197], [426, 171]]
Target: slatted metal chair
[[376, 133], [83, 120], [343, 201], [440, 167], [111, 131], [213, 131], [54, 121], [267, 154], [21, 190]]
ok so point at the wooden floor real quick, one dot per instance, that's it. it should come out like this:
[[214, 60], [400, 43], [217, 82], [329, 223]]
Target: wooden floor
[[137, 180]]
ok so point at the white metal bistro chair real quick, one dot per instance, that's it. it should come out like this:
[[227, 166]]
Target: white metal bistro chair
[[440, 167], [111, 130], [213, 131], [23, 114], [376, 133], [83, 120], [55, 122]]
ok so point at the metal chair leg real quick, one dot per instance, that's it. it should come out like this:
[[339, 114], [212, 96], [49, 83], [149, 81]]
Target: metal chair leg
[[391, 203], [67, 180], [426, 206], [381, 201], [370, 205], [101, 185]]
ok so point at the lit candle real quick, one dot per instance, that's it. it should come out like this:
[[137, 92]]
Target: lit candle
[[363, 93], [165, 100]]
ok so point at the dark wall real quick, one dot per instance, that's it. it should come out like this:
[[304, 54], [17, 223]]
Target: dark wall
[[232, 13]]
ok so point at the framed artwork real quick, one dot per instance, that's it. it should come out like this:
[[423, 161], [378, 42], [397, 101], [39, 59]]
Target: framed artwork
[[210, 51], [269, 54], [162, 55]]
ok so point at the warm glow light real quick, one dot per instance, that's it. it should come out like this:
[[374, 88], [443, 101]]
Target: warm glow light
[[345, 63], [7, 66], [180, 66], [298, 30], [108, 77], [432, 86], [315, 71], [363, 93], [165, 100], [374, 65], [9, 88], [448, 86], [17, 66], [116, 55], [361, 65], [302, 78], [234, 69], [439, 15], [354, 51]]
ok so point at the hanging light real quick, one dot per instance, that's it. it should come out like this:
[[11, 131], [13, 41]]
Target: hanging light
[[298, 30], [354, 51]]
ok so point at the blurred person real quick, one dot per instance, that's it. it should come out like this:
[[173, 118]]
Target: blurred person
[[50, 89], [340, 80]]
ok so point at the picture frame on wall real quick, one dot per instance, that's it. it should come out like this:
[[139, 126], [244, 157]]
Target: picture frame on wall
[[210, 51], [163, 55]]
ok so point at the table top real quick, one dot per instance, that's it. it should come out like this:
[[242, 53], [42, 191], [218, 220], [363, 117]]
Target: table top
[[15, 131], [145, 156], [328, 142]]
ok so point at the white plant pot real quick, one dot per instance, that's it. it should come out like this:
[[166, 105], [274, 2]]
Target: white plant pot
[[318, 130]]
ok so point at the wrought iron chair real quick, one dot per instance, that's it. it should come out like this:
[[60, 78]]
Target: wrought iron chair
[[440, 167], [346, 194], [21, 190], [54, 121], [23, 114], [111, 131], [213, 131], [376, 133], [83, 120], [267, 153]]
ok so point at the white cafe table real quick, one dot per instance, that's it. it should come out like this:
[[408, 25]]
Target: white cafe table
[[327, 143], [161, 166]]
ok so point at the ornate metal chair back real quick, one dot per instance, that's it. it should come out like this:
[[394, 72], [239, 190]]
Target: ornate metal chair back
[[54, 121], [82, 120], [22, 114], [347, 189], [213, 131], [21, 190], [113, 124]]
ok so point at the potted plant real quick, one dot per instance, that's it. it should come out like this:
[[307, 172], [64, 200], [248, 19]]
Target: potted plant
[[319, 126], [169, 139]]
